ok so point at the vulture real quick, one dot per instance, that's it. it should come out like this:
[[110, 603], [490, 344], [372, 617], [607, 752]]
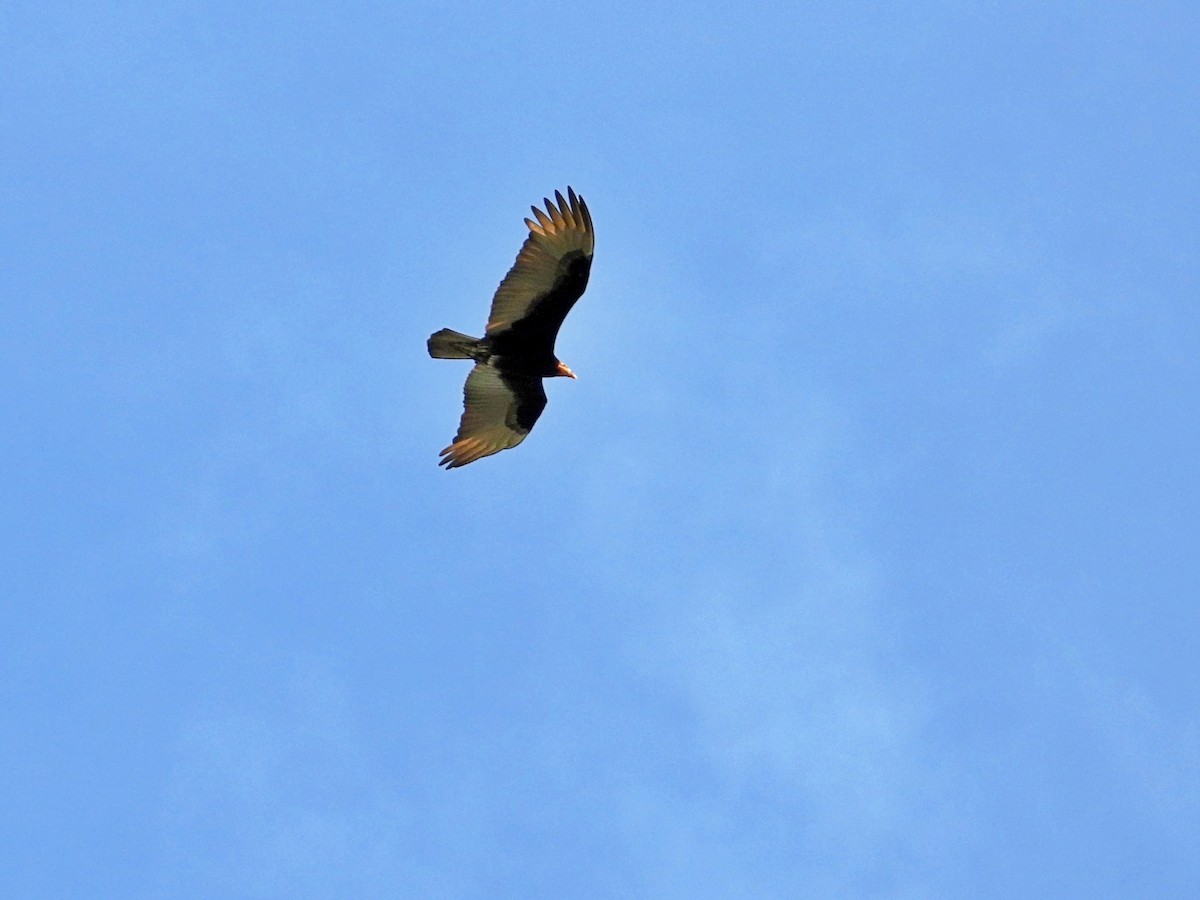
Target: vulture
[[503, 396]]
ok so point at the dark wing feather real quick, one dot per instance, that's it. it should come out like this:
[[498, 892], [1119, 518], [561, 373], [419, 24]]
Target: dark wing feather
[[550, 273], [498, 411]]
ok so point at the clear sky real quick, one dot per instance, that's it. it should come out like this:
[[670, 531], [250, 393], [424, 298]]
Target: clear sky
[[860, 561]]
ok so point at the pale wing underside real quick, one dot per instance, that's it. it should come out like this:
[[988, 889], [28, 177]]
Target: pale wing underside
[[497, 414], [559, 231]]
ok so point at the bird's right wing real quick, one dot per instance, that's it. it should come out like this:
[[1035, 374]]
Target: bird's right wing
[[498, 411], [560, 239]]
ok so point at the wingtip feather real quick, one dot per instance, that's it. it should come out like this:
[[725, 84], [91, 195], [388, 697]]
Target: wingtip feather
[[556, 215]]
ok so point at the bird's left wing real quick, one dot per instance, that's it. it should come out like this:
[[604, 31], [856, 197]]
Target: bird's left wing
[[498, 411]]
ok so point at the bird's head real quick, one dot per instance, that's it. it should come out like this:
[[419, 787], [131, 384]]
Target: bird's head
[[564, 370]]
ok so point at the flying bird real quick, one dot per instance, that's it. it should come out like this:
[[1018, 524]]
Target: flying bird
[[503, 396]]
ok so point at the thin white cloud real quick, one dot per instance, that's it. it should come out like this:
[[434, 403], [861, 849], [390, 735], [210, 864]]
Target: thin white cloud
[[1156, 751], [279, 796], [766, 621], [1007, 297]]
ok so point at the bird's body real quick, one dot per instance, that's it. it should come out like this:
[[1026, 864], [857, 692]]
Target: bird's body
[[504, 396]]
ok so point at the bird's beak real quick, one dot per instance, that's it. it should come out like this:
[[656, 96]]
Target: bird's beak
[[564, 369]]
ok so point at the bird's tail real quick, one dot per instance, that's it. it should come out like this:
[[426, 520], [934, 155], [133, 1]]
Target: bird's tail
[[447, 344]]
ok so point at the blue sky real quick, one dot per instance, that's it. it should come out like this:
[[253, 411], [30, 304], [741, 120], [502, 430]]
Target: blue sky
[[861, 561]]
